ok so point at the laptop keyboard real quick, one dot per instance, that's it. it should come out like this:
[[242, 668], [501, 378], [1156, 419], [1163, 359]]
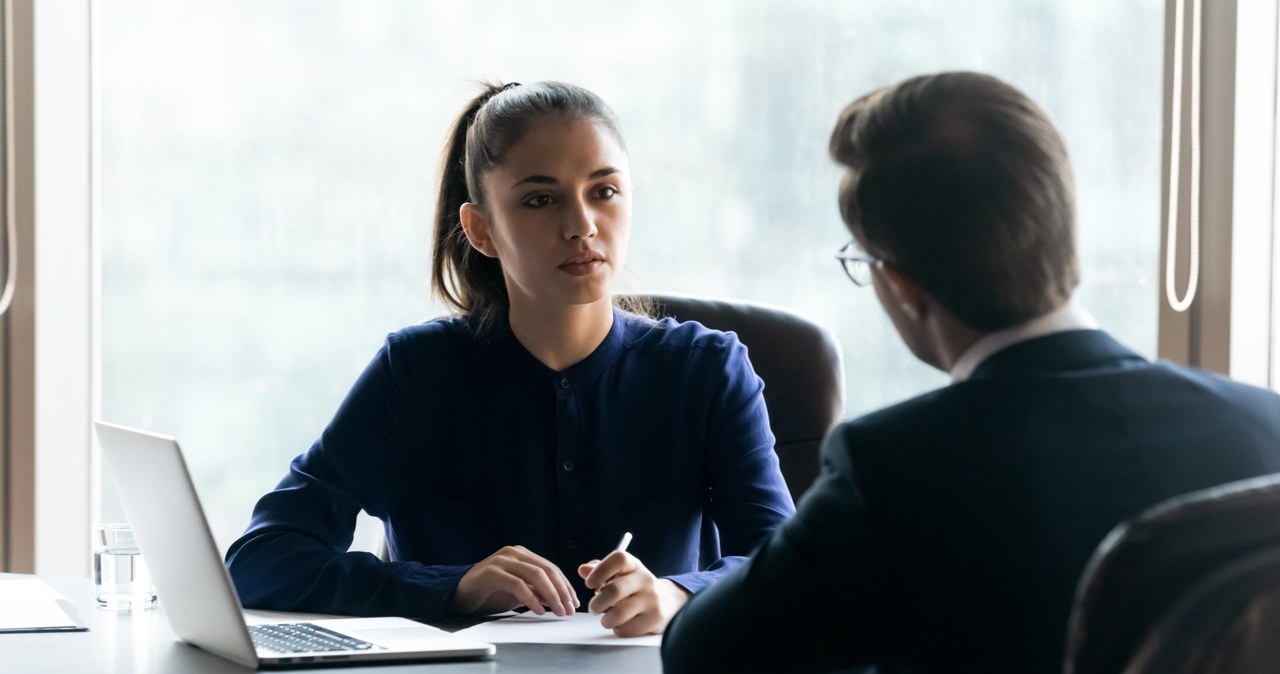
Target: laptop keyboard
[[303, 638]]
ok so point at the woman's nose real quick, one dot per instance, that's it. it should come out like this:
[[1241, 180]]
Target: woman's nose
[[581, 222]]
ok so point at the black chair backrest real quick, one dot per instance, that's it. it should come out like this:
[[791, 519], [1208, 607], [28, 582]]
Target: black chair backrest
[[800, 363], [1190, 585]]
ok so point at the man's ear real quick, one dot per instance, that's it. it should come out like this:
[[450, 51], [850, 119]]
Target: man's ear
[[910, 297], [475, 224]]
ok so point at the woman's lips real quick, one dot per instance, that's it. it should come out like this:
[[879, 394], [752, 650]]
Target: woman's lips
[[583, 263], [582, 267]]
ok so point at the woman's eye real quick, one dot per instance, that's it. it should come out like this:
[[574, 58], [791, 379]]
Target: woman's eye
[[538, 201], [607, 192]]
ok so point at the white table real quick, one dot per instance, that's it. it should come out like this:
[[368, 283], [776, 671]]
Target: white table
[[141, 641]]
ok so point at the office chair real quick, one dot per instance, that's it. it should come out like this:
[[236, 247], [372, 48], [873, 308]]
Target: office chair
[[800, 363], [1190, 585]]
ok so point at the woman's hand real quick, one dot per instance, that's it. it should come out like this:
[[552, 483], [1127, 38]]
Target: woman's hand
[[510, 578], [632, 599]]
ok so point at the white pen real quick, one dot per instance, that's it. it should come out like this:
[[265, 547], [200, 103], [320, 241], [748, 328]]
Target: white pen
[[622, 544]]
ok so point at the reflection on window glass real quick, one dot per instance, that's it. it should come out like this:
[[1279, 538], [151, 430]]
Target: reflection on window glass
[[267, 176]]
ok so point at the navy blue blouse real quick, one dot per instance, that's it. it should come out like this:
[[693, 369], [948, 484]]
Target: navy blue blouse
[[462, 445]]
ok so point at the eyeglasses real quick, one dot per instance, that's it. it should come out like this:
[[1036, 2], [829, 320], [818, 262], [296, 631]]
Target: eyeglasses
[[857, 265]]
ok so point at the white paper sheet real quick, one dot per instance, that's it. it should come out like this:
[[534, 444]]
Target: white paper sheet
[[28, 604], [528, 628], [254, 616]]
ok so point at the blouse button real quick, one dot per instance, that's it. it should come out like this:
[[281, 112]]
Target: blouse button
[[564, 382], [568, 466], [572, 544]]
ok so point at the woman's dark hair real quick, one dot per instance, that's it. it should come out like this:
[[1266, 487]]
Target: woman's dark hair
[[961, 181], [490, 125]]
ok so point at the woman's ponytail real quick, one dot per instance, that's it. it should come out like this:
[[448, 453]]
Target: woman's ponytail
[[463, 278]]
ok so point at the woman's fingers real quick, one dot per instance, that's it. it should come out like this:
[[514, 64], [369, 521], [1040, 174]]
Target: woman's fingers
[[514, 574], [615, 592], [562, 592], [633, 616], [541, 582], [517, 587], [614, 564], [632, 600], [636, 602]]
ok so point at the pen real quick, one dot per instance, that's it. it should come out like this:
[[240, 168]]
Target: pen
[[622, 544]]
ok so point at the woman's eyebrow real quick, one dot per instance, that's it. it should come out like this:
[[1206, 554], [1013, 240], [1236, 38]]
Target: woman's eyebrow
[[537, 180], [550, 180], [600, 173]]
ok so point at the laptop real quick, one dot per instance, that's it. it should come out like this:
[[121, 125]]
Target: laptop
[[197, 595]]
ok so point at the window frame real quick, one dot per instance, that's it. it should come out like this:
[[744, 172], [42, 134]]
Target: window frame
[[50, 466], [1219, 331], [51, 352]]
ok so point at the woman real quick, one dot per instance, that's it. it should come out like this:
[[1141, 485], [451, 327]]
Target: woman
[[507, 449]]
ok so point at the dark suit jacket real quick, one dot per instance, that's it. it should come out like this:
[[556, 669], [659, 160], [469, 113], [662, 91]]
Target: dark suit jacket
[[948, 532]]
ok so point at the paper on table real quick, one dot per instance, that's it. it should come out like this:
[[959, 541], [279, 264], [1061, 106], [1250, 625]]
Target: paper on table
[[254, 616], [29, 605], [528, 628]]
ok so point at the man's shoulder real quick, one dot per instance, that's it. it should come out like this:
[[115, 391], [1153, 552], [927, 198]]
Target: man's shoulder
[[1211, 381], [916, 414], [899, 433], [993, 407]]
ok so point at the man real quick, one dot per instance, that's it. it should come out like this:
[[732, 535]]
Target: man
[[948, 532]]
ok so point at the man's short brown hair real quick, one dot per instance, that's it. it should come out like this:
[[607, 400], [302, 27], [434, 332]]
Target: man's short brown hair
[[961, 182]]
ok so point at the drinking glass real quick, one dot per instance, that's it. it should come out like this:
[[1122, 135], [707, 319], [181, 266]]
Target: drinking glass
[[121, 580]]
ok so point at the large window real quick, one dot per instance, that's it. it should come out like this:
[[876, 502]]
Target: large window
[[267, 175]]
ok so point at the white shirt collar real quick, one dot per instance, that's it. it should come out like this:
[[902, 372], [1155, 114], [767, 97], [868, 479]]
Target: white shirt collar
[[1066, 317]]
